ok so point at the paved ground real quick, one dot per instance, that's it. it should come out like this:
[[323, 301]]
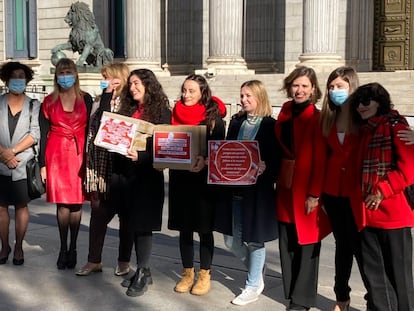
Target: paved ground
[[38, 285]]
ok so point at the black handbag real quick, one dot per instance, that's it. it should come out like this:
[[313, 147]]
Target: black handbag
[[409, 195], [35, 186]]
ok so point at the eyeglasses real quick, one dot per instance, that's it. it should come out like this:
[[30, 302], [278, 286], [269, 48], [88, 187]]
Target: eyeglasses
[[364, 101]]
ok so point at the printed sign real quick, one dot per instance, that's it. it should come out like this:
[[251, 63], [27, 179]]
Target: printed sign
[[233, 162], [119, 133], [115, 135], [172, 147], [177, 146]]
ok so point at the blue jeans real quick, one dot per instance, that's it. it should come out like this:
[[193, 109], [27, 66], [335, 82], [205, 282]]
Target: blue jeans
[[252, 254]]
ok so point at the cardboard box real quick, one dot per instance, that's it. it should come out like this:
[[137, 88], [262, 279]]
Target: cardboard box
[[119, 133], [177, 146]]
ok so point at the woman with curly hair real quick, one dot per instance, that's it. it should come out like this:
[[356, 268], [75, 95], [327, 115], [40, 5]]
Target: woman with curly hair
[[136, 187], [19, 135], [190, 199]]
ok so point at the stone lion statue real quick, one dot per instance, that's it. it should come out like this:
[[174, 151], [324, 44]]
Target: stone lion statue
[[84, 38]]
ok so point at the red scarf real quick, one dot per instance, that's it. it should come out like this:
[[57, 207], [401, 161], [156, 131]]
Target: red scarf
[[138, 113], [378, 157], [221, 106], [188, 115]]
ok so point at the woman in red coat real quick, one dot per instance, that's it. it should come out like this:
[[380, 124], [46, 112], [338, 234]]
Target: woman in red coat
[[63, 126], [385, 170], [302, 224], [340, 135]]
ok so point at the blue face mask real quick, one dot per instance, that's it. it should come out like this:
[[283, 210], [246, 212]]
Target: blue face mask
[[17, 86], [66, 81], [104, 84], [339, 96]]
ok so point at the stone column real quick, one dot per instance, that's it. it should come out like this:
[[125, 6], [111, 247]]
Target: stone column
[[320, 35], [143, 41], [226, 35]]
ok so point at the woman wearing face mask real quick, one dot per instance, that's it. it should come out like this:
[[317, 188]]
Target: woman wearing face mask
[[341, 140], [19, 131], [98, 177], [63, 125]]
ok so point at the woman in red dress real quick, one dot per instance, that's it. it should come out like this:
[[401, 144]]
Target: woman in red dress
[[63, 125]]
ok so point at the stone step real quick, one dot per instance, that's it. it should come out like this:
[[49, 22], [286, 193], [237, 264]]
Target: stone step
[[399, 84]]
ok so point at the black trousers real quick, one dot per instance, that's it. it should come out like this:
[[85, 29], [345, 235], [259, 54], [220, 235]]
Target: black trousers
[[387, 259], [100, 217], [300, 264], [187, 249], [347, 244]]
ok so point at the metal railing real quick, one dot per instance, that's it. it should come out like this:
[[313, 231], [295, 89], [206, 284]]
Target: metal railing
[[33, 90]]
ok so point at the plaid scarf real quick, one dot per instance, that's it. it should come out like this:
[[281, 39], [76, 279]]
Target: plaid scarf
[[378, 158], [98, 162]]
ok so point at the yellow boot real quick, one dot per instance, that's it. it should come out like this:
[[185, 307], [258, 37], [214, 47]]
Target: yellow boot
[[186, 282], [202, 286]]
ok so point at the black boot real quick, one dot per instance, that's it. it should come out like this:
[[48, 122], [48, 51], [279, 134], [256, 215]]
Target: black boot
[[147, 273], [62, 260], [72, 259], [138, 285]]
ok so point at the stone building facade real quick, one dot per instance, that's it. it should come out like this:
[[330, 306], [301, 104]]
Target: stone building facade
[[227, 40]]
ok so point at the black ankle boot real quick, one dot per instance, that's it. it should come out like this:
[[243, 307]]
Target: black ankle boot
[[62, 260], [138, 285], [72, 259], [147, 273]]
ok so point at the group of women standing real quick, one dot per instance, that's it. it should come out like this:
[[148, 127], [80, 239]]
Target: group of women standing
[[342, 169]]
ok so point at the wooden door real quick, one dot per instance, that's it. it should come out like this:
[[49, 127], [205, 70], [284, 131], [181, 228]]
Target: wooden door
[[393, 35]]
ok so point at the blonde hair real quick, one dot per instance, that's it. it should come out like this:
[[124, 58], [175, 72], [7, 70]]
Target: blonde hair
[[264, 109], [62, 64], [117, 70]]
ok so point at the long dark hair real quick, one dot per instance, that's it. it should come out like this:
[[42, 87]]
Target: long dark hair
[[155, 100], [212, 110]]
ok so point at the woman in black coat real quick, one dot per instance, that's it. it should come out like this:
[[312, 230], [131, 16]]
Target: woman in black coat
[[137, 189], [247, 214], [190, 206]]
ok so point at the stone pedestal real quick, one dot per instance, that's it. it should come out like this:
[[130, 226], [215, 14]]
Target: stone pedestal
[[89, 82]]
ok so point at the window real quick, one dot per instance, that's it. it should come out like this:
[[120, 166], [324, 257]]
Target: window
[[21, 29]]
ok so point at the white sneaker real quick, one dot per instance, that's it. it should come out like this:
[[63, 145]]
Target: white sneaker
[[248, 295], [260, 288]]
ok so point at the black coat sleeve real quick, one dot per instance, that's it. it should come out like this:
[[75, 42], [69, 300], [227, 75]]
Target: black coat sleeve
[[44, 131], [145, 157]]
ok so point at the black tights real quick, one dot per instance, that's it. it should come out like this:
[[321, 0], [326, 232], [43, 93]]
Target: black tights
[[143, 248], [187, 249], [68, 217]]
